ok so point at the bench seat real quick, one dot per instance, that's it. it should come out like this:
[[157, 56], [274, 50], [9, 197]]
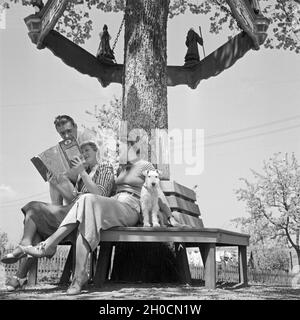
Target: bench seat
[[192, 236], [206, 239]]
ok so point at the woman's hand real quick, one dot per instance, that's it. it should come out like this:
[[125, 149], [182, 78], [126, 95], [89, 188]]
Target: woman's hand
[[78, 165]]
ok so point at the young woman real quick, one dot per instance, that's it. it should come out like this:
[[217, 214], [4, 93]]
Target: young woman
[[43, 219]]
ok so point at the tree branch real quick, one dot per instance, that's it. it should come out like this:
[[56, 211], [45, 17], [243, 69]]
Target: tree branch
[[290, 239]]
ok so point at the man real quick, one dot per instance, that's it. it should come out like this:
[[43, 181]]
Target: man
[[67, 128]]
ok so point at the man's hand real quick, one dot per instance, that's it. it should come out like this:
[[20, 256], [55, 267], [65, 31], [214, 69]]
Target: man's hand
[[51, 178], [78, 165], [56, 180]]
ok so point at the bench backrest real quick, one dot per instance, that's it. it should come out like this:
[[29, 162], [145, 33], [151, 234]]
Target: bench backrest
[[182, 201]]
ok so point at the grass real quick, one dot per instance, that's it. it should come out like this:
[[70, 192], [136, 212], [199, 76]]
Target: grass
[[140, 291]]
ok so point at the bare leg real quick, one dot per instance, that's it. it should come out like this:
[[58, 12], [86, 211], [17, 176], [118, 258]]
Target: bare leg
[[82, 253], [80, 274], [60, 234], [55, 196], [29, 232], [48, 247], [26, 263]]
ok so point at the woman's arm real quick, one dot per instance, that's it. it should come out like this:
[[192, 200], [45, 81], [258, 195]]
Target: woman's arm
[[90, 185], [104, 179]]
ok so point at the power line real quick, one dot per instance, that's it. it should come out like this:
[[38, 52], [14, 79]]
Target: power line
[[46, 102], [241, 138], [254, 135], [22, 199], [252, 127]]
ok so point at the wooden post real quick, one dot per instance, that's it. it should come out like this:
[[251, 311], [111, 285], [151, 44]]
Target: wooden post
[[103, 264], [208, 254], [243, 278], [93, 262], [182, 263], [68, 268], [32, 272]]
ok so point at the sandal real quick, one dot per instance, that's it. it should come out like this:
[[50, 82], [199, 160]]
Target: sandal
[[77, 284], [40, 251], [15, 283], [10, 258]]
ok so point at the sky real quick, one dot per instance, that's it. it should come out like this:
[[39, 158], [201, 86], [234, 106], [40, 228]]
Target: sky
[[248, 113]]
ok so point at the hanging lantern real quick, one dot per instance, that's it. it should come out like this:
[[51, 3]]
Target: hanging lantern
[[33, 23], [262, 24]]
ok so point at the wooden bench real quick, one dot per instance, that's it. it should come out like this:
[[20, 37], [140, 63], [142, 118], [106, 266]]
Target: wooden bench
[[182, 201]]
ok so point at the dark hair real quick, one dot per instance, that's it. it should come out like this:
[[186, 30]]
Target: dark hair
[[63, 119]]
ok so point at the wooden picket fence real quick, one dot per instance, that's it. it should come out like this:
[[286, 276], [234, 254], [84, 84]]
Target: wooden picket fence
[[51, 270], [230, 274]]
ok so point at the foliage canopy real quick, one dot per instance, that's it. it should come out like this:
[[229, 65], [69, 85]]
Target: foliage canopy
[[284, 31]]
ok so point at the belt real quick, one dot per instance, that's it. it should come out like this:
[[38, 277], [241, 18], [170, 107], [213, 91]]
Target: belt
[[131, 193]]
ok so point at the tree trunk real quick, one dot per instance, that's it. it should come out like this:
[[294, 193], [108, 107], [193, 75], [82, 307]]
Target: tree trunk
[[145, 107], [145, 71], [298, 256], [145, 65]]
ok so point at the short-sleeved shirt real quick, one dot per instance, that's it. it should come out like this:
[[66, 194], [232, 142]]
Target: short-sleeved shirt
[[103, 178]]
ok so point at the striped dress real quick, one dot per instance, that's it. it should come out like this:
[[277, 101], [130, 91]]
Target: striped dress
[[47, 217]]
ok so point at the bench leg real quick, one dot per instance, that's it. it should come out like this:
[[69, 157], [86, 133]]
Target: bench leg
[[93, 261], [243, 265], [182, 263], [208, 254], [32, 272], [103, 264], [69, 267]]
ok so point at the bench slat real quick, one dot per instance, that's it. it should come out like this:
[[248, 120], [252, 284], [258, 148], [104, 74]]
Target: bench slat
[[172, 187], [194, 222], [187, 207]]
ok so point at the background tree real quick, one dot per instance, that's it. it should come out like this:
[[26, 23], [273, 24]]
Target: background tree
[[107, 124], [3, 241], [284, 32], [268, 250], [273, 201]]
